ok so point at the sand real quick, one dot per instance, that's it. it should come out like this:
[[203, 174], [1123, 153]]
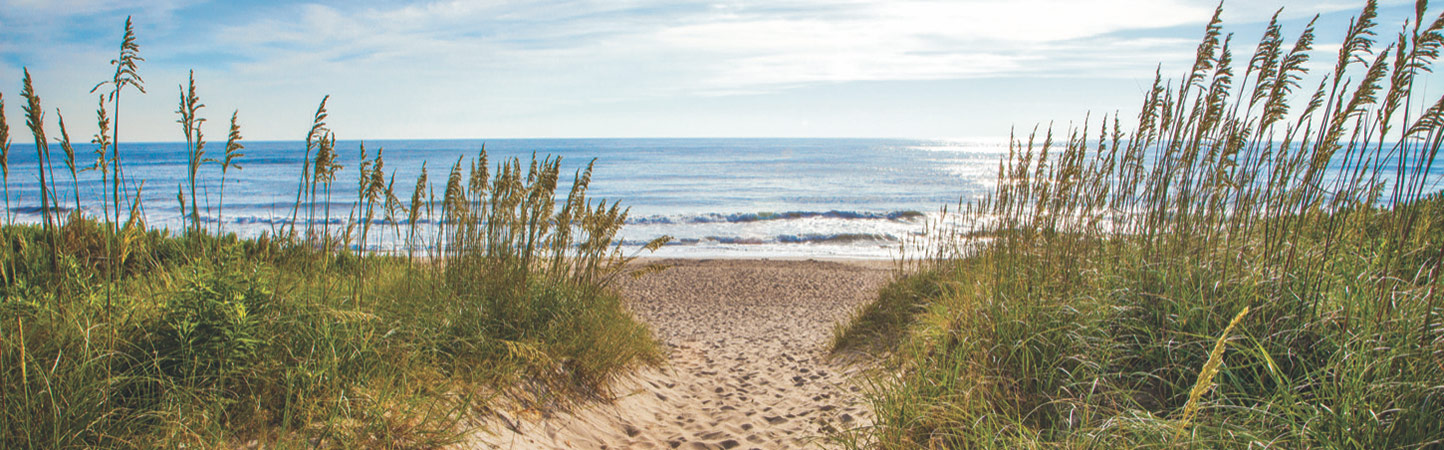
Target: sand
[[747, 363]]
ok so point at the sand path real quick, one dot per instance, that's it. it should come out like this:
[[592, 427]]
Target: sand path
[[747, 362]]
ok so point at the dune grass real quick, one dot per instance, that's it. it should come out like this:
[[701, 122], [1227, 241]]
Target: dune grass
[[114, 334], [1240, 270]]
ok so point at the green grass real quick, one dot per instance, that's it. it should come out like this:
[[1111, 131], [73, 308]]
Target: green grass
[[1096, 299], [882, 324], [204, 341], [116, 335]]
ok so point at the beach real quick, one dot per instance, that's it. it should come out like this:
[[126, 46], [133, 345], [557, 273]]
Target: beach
[[873, 225], [747, 362]]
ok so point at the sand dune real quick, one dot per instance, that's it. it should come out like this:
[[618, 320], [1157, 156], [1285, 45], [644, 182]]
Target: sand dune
[[747, 364]]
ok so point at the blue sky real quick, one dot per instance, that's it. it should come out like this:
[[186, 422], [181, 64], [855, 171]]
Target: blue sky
[[628, 68]]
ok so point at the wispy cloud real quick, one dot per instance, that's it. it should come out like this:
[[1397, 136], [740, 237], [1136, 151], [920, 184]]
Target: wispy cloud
[[439, 62], [707, 47]]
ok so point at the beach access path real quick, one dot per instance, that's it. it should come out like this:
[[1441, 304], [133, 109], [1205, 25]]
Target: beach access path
[[747, 362]]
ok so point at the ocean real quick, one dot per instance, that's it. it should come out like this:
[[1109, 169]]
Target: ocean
[[785, 198]]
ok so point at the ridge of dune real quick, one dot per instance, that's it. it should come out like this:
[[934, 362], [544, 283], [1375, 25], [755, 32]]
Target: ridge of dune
[[747, 365]]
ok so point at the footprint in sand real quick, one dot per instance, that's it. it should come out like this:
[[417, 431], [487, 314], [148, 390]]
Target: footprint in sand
[[747, 361]]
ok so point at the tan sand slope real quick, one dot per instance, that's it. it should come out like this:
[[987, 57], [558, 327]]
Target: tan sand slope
[[747, 366]]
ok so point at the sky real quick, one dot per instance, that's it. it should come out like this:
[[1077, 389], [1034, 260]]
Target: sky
[[627, 68]]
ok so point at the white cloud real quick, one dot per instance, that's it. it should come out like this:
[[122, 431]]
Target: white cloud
[[906, 40], [696, 48], [729, 46], [441, 63]]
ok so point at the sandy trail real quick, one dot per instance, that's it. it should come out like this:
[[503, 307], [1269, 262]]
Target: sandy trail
[[747, 364]]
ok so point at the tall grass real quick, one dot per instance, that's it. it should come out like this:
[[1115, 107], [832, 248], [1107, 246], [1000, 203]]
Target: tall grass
[[118, 335], [126, 74], [314, 138], [190, 122], [5, 157], [35, 120], [1093, 299], [69, 150], [230, 160]]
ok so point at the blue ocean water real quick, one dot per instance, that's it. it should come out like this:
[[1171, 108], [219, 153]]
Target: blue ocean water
[[856, 198]]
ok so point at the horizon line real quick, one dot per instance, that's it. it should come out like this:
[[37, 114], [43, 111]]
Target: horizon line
[[244, 141]]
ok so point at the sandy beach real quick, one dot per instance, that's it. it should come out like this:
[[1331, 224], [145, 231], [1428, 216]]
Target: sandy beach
[[747, 363]]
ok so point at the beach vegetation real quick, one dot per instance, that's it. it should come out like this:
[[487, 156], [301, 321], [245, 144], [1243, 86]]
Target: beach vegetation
[[1254, 264], [116, 334]]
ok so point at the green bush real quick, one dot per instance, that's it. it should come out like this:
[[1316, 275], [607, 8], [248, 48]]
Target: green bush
[[210, 332]]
